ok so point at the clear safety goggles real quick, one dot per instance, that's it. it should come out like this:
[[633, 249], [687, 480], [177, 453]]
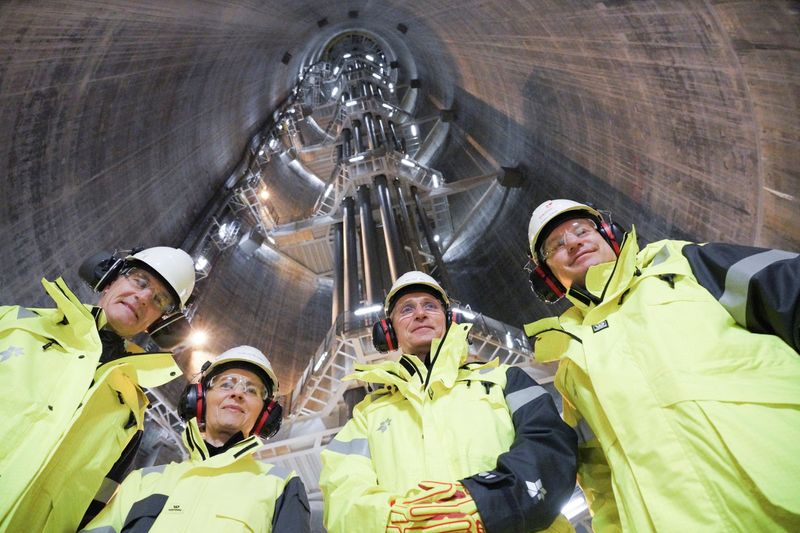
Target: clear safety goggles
[[409, 308], [231, 382], [143, 280], [557, 241]]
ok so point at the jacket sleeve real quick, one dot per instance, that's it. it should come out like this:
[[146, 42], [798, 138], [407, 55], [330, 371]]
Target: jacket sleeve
[[353, 501], [760, 288], [594, 475], [113, 479], [112, 517], [292, 513], [535, 478]]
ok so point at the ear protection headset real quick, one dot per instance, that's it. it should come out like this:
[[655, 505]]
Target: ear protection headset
[[544, 284], [192, 404], [99, 270], [385, 339]]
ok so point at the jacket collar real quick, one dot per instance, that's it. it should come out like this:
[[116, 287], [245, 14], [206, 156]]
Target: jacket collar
[[198, 451], [606, 281], [410, 373]]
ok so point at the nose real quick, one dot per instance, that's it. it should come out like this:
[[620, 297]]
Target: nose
[[572, 241]]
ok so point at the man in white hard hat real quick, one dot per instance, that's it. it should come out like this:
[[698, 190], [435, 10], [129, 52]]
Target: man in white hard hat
[[73, 410], [679, 369], [222, 486], [445, 445]]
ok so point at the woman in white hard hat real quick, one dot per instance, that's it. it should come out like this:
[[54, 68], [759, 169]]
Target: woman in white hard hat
[[222, 486], [679, 368], [74, 412]]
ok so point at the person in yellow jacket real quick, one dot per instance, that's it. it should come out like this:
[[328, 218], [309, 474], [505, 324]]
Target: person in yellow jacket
[[73, 409], [678, 366], [445, 445], [222, 487]]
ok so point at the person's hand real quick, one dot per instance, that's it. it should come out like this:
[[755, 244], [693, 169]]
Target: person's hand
[[435, 507]]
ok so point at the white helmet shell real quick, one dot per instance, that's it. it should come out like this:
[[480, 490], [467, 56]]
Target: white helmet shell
[[546, 212], [415, 277], [174, 266], [249, 355]]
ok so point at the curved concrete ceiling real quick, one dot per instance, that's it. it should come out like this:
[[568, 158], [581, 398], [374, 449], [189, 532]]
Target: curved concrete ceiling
[[120, 120]]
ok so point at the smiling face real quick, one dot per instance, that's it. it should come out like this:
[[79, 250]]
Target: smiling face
[[130, 302], [572, 247], [234, 401], [418, 318]]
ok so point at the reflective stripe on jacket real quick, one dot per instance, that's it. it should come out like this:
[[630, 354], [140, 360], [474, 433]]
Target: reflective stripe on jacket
[[490, 426], [229, 492], [64, 421], [693, 420]]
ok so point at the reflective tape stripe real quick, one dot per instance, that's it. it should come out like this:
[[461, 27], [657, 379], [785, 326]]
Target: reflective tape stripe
[[737, 281], [101, 529], [22, 312], [585, 433], [354, 447], [517, 399], [106, 490], [279, 471], [151, 469], [662, 255]]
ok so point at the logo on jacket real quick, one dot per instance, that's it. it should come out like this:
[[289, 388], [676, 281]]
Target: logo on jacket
[[536, 490], [600, 326], [11, 351], [384, 425]]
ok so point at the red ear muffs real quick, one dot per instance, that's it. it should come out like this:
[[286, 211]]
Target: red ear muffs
[[269, 421], [546, 287], [383, 336], [612, 233], [192, 403]]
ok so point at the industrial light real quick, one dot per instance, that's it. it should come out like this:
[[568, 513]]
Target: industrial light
[[321, 359], [273, 143], [575, 506], [435, 181], [436, 238], [361, 311], [198, 337], [328, 190], [347, 55], [350, 103], [356, 158], [469, 315], [336, 70], [223, 230], [261, 152], [376, 75], [369, 57], [387, 106], [408, 163], [414, 130], [270, 239], [201, 263], [509, 340], [264, 194], [391, 86], [334, 91]]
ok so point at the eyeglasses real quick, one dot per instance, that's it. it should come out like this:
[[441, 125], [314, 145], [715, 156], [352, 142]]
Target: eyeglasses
[[408, 309], [557, 242], [143, 281], [232, 382]]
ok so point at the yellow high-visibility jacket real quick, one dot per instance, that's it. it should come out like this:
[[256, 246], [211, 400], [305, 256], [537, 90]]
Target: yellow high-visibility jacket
[[690, 422], [491, 427], [64, 420], [229, 492]]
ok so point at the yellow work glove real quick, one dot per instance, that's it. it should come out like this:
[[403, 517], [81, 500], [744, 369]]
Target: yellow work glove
[[435, 507]]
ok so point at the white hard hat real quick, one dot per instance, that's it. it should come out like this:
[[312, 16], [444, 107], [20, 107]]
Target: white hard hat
[[415, 277], [548, 211], [174, 266], [249, 355]]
